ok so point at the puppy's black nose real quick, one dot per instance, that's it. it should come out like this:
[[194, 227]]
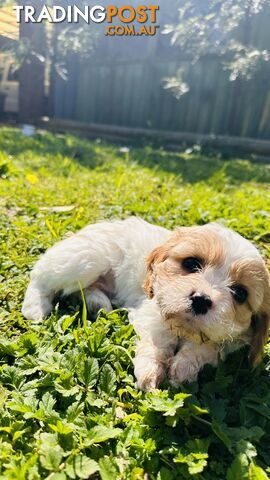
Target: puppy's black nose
[[200, 303]]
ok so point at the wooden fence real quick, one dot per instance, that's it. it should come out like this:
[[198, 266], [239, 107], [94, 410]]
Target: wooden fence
[[127, 89]]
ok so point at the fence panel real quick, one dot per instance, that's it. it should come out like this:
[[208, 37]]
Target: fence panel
[[128, 90]]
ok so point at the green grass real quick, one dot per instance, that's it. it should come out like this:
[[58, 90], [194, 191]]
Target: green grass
[[69, 406]]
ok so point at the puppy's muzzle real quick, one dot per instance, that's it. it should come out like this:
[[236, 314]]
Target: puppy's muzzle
[[200, 303]]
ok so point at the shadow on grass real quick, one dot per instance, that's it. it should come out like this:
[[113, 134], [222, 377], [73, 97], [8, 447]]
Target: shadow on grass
[[42, 144], [191, 168], [198, 167]]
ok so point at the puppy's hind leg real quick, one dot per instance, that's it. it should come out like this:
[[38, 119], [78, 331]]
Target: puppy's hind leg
[[75, 262], [96, 299], [37, 302]]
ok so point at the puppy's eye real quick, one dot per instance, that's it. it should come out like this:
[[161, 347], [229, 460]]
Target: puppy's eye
[[239, 293], [192, 264]]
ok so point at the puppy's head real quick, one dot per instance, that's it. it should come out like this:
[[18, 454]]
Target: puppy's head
[[211, 284]]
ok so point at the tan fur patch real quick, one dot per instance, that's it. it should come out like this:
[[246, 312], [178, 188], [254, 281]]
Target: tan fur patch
[[156, 256], [196, 242], [252, 274], [185, 242]]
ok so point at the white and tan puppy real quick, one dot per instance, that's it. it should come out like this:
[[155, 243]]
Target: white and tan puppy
[[190, 293]]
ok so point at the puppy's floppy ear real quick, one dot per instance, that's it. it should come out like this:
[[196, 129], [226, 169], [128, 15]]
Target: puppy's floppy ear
[[159, 254], [260, 326]]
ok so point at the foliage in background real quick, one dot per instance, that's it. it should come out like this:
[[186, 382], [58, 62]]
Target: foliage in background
[[69, 405], [218, 29], [61, 40]]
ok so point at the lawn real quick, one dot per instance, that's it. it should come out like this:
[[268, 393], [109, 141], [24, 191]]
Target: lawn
[[69, 406]]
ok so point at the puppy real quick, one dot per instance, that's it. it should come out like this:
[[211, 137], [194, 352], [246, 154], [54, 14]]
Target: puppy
[[192, 294]]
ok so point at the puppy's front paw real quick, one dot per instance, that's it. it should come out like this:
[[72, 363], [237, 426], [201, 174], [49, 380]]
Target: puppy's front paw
[[36, 309], [182, 370], [150, 378]]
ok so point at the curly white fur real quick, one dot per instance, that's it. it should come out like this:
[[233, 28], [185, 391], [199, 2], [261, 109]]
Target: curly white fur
[[108, 260]]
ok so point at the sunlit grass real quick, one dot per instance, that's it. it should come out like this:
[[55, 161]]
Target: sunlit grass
[[69, 404]]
